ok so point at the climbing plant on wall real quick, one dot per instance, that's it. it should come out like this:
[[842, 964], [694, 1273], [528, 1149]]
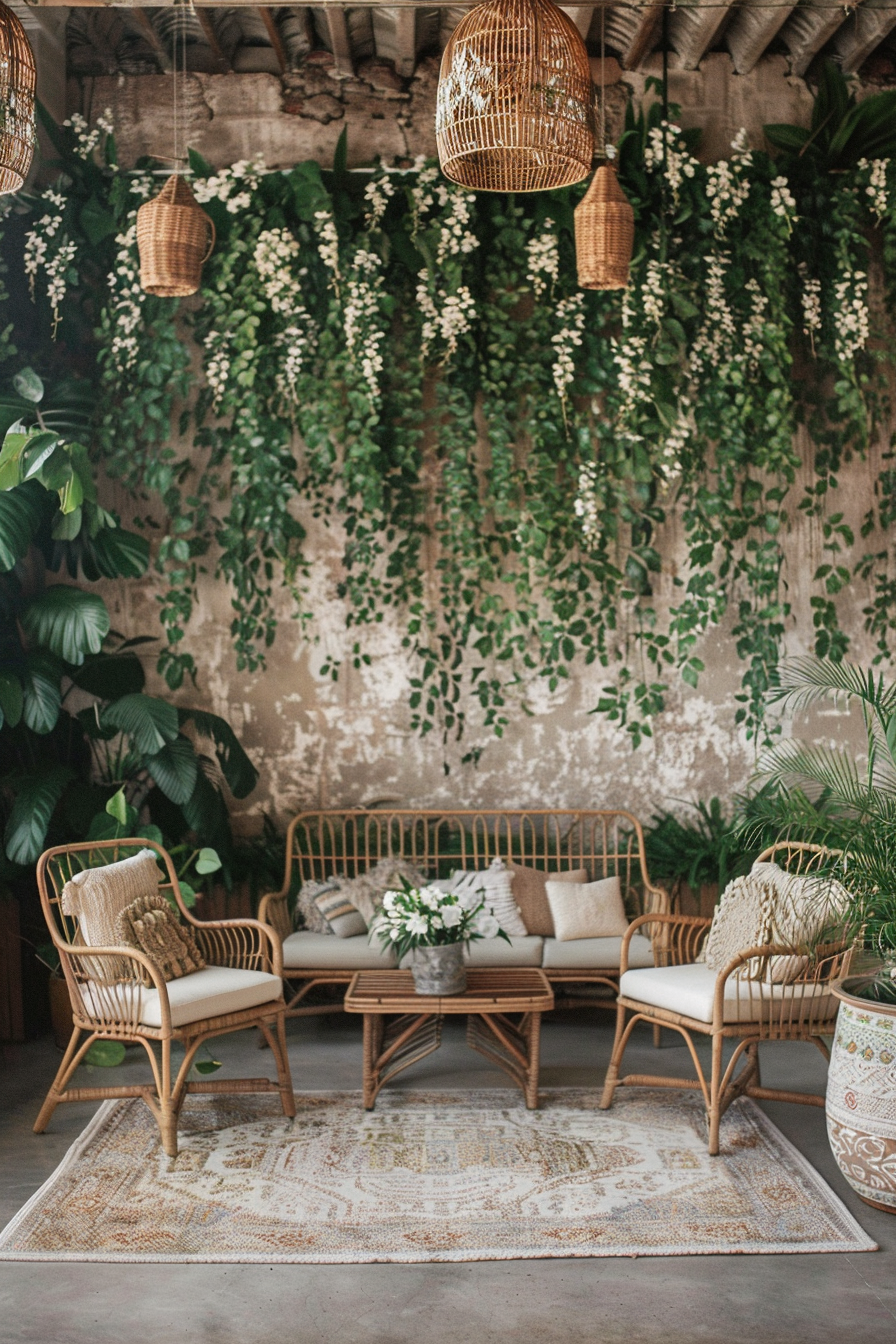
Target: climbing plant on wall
[[498, 452]]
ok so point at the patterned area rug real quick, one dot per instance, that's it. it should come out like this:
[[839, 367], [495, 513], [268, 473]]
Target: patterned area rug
[[430, 1176]]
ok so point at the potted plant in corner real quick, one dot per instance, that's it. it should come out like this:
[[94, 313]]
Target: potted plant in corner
[[849, 805], [434, 926]]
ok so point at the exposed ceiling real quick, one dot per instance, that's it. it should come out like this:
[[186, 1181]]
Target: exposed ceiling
[[134, 40]]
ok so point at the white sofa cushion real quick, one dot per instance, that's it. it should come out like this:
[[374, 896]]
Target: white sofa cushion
[[595, 954], [523, 951], [322, 952], [690, 990], [209, 993]]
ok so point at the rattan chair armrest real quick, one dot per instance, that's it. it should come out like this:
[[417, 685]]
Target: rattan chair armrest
[[244, 943], [273, 910], [828, 968], [678, 938], [76, 962]]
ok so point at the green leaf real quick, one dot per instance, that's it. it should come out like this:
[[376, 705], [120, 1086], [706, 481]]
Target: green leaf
[[34, 801], [149, 722], [12, 410], [120, 554], [198, 165], [105, 1054], [109, 676], [207, 861], [236, 767], [36, 451], [20, 517], [42, 695], [11, 460], [117, 807], [174, 769], [68, 622], [11, 699], [29, 386], [67, 526], [207, 1066], [97, 222], [340, 153]]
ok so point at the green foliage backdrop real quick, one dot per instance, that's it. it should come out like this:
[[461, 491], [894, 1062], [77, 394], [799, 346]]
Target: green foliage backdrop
[[417, 367]]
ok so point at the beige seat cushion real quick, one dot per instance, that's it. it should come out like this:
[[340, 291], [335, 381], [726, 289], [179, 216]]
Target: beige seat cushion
[[690, 990], [321, 952], [524, 951], [209, 993], [587, 909], [530, 894], [595, 954]]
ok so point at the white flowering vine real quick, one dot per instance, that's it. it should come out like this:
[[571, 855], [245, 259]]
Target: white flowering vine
[[571, 320], [853, 323], [543, 261]]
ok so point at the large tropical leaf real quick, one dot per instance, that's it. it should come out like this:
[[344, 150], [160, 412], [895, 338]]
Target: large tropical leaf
[[206, 813], [70, 623], [146, 720], [21, 513], [11, 699], [806, 681], [34, 801], [821, 769], [119, 553], [42, 695], [174, 769], [12, 410], [109, 676], [236, 767]]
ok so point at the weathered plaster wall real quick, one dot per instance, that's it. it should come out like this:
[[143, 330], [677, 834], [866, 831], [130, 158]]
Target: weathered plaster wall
[[319, 743]]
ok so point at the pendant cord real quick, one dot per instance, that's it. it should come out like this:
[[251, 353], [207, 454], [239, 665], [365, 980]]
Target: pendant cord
[[603, 82]]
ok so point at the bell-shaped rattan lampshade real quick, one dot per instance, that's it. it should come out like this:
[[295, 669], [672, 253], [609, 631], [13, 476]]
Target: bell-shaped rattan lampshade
[[17, 77], [514, 102], [605, 233], [175, 238]]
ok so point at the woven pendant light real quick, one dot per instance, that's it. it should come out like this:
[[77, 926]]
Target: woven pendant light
[[605, 233], [174, 238], [17, 79], [513, 111]]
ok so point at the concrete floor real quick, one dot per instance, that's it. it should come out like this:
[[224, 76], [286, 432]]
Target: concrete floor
[[795, 1299]]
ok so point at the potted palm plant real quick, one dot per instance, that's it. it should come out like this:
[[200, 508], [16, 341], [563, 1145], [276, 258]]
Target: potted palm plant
[[848, 803]]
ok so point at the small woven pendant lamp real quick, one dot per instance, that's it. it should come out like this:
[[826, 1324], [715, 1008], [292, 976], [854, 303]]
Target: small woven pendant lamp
[[175, 238], [513, 111], [604, 219], [17, 80]]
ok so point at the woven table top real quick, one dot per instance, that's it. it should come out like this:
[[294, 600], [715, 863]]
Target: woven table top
[[508, 990]]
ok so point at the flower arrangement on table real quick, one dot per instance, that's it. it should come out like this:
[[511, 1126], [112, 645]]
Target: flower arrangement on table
[[428, 919]]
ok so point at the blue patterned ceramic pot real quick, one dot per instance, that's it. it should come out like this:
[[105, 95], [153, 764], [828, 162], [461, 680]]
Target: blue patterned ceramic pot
[[861, 1096]]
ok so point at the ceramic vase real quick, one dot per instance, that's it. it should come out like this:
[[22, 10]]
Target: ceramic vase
[[439, 970], [861, 1096]]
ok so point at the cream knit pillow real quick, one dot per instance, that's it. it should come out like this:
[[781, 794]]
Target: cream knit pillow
[[98, 896], [587, 909]]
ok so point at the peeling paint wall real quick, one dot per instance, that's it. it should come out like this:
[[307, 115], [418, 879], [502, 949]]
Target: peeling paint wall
[[319, 743]]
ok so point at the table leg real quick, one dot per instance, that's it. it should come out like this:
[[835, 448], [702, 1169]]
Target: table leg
[[533, 1033], [371, 1050]]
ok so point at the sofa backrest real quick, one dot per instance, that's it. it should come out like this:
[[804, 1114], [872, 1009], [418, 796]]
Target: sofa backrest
[[348, 842]]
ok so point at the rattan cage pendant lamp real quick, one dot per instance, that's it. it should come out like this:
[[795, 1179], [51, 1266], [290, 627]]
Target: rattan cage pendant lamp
[[513, 111], [604, 219], [175, 236], [17, 81]]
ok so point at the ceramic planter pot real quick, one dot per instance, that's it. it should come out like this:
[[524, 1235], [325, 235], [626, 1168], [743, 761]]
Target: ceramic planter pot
[[440, 970], [861, 1095]]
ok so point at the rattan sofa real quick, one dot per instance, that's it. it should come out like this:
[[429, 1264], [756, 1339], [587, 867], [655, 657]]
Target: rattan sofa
[[348, 842]]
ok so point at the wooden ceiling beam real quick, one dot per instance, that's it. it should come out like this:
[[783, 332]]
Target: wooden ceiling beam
[[162, 54], [693, 29], [340, 43], [751, 30], [863, 32], [273, 32], [211, 37], [644, 36]]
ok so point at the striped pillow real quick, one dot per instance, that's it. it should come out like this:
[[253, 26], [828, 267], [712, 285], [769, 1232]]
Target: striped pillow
[[344, 919]]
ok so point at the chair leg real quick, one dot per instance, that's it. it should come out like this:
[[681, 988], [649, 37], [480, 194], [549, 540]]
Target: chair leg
[[612, 1077], [277, 1042], [657, 1035], [169, 1109], [63, 1073], [715, 1096]]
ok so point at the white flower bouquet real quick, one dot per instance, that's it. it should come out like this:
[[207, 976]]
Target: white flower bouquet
[[428, 917]]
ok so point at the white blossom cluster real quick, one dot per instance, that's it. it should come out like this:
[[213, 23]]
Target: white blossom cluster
[[669, 461], [571, 318], [653, 296], [877, 184], [217, 364], [275, 256], [586, 504], [328, 243], [543, 260], [455, 236], [755, 324], [853, 324], [810, 301], [125, 291], [377, 194], [86, 139], [446, 323], [632, 360], [664, 145], [234, 186], [782, 202], [428, 916], [364, 336], [715, 338], [727, 190], [54, 262], [429, 190]]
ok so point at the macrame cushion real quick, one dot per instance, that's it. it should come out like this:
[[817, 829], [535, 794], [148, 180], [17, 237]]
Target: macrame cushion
[[587, 909], [493, 885], [343, 918], [742, 919], [150, 925], [531, 896], [97, 896]]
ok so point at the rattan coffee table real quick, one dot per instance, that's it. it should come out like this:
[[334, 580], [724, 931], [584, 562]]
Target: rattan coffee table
[[402, 1026]]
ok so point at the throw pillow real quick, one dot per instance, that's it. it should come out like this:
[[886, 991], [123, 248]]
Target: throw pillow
[[366, 892], [741, 919], [587, 909], [150, 924], [307, 914], [493, 887], [343, 918], [97, 896], [530, 894]]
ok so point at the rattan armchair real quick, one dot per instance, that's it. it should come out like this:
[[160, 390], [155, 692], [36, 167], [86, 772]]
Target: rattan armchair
[[746, 1011], [118, 994]]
